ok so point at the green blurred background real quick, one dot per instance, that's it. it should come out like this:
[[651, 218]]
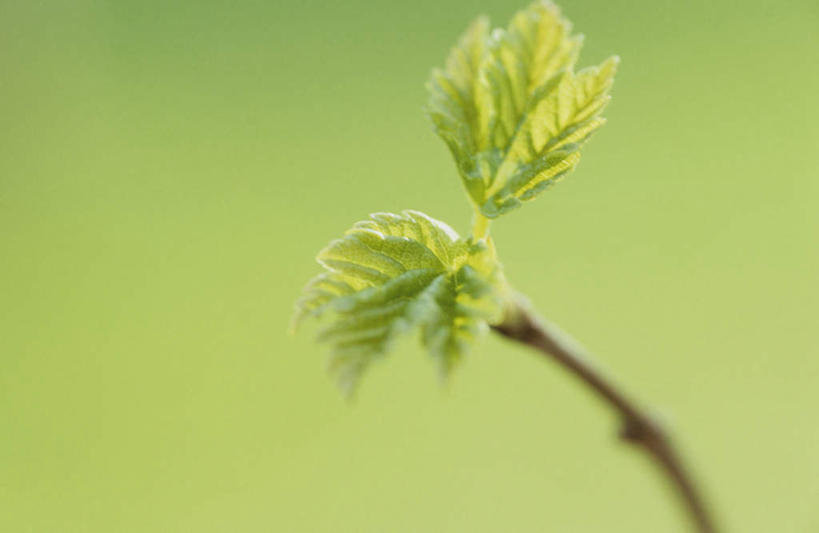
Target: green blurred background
[[169, 169]]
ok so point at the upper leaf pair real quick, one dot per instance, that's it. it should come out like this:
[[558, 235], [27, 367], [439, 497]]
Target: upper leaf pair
[[511, 108]]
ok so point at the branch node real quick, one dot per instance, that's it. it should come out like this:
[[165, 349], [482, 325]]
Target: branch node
[[643, 431]]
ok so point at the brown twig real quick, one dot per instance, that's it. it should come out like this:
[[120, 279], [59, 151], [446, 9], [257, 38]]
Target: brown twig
[[638, 428]]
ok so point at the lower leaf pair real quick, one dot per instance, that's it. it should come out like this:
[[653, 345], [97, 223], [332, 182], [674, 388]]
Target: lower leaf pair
[[395, 273]]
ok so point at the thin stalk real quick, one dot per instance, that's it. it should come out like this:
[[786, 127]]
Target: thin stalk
[[638, 428], [480, 225]]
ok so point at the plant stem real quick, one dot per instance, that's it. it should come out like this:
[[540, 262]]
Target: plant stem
[[638, 428], [480, 225]]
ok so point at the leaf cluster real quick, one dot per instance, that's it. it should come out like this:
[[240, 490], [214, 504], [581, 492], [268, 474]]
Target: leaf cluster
[[514, 114]]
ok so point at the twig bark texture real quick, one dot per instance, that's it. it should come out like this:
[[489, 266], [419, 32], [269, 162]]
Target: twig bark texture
[[638, 428]]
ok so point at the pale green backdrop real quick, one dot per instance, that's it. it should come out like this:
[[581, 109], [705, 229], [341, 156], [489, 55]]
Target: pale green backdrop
[[169, 169]]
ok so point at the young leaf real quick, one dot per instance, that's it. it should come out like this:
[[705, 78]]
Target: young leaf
[[512, 109], [393, 273]]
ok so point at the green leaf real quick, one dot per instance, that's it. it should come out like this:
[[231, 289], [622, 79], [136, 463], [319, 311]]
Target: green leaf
[[394, 273], [511, 108], [452, 106]]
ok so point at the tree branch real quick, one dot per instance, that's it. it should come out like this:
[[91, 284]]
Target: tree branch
[[638, 428]]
